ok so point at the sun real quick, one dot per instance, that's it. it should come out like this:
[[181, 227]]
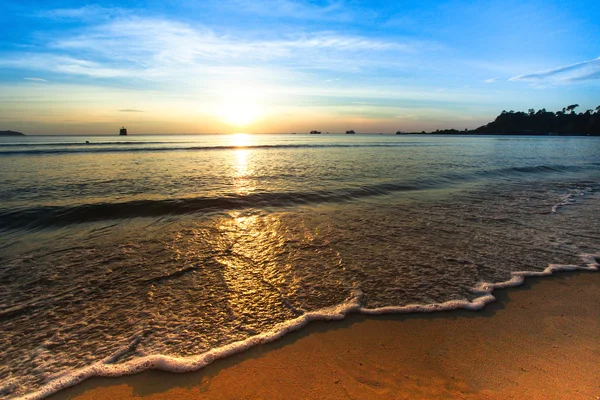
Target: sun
[[239, 113], [239, 107]]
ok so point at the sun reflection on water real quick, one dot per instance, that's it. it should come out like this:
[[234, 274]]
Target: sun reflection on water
[[242, 173], [240, 140], [252, 270]]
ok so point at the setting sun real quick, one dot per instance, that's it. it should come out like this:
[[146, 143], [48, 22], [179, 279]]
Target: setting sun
[[239, 107], [239, 114]]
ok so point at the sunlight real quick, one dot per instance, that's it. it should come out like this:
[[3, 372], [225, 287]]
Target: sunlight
[[239, 114], [242, 173], [239, 107], [253, 242], [240, 140]]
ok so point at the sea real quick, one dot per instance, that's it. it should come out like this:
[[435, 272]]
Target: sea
[[125, 253]]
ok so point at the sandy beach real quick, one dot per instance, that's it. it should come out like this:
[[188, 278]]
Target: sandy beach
[[537, 341]]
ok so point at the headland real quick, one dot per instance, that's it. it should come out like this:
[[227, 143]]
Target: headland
[[11, 133]]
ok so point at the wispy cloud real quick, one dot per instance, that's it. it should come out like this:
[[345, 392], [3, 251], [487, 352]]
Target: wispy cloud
[[195, 68], [491, 80], [86, 12], [583, 71], [172, 41], [332, 10], [34, 79], [166, 51], [67, 65]]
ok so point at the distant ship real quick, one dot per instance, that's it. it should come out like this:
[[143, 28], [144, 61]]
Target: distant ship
[[400, 133], [123, 131], [315, 132], [350, 132]]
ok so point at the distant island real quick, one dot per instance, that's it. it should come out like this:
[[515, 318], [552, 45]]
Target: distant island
[[565, 122], [11, 133]]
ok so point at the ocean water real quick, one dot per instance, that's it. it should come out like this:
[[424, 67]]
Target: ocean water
[[119, 254]]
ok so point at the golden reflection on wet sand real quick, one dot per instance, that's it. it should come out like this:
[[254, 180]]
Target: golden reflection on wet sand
[[251, 264]]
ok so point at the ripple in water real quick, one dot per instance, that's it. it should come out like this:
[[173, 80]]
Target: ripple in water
[[198, 287]]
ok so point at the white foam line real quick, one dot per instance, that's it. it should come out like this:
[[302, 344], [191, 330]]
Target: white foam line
[[193, 363], [337, 312], [570, 198], [485, 289]]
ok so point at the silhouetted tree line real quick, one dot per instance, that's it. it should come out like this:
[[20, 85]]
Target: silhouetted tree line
[[542, 122]]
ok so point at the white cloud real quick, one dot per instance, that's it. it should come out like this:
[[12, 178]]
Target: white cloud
[[166, 41], [583, 71], [333, 10], [491, 80], [62, 64], [86, 12], [168, 52], [34, 79], [195, 66]]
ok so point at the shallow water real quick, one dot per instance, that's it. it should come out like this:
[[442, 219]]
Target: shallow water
[[121, 249]]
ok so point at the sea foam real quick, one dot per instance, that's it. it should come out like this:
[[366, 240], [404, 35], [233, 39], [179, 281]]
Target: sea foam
[[105, 368], [571, 197]]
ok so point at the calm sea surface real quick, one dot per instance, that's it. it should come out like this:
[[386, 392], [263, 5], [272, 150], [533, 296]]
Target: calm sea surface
[[124, 253]]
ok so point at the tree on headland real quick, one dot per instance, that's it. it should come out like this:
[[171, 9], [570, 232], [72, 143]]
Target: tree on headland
[[572, 108], [542, 122]]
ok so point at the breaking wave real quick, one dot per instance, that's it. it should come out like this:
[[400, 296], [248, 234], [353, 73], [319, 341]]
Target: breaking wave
[[106, 368], [46, 216]]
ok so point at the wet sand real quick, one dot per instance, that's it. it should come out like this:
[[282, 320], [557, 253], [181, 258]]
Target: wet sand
[[538, 341]]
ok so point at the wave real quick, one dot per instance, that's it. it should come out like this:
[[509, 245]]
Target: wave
[[533, 170], [64, 215], [107, 368], [68, 144], [94, 148], [48, 216]]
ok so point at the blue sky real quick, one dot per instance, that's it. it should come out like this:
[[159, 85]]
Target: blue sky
[[188, 66]]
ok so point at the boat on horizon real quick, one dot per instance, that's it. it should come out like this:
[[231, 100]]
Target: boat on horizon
[[123, 131], [350, 132], [315, 132]]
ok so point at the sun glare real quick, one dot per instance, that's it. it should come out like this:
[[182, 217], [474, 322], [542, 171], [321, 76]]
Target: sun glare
[[240, 139], [239, 114], [239, 108]]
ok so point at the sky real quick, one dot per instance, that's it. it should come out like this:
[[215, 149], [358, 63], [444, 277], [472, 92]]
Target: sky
[[258, 66]]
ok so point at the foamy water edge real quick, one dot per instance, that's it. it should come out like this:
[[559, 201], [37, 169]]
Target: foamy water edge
[[351, 305]]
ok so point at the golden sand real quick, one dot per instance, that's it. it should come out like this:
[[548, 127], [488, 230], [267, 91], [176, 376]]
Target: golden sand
[[538, 341]]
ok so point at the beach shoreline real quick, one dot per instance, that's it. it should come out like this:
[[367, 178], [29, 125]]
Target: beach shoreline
[[537, 340]]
